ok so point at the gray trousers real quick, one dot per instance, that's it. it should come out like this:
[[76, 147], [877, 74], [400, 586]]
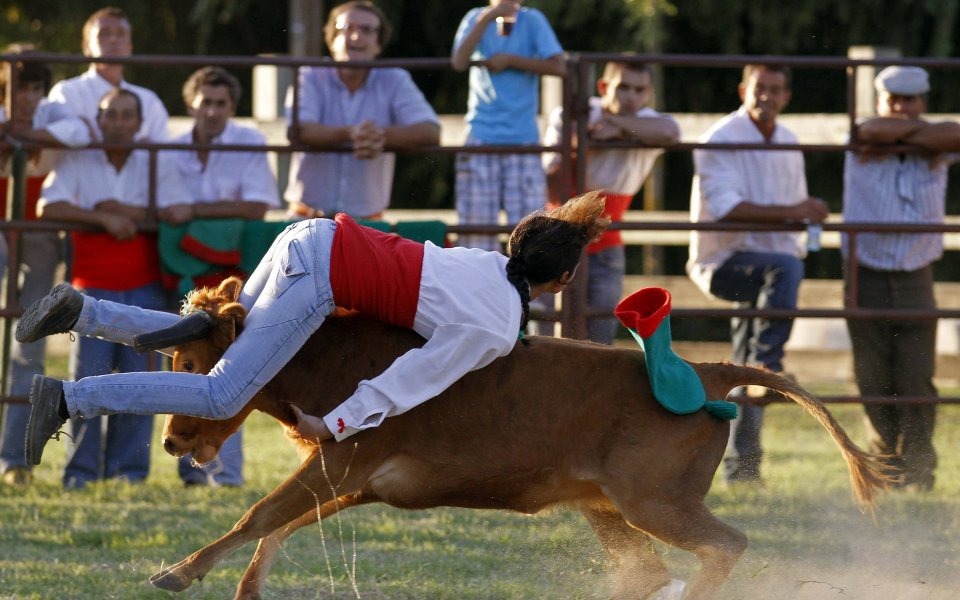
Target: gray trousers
[[898, 358]]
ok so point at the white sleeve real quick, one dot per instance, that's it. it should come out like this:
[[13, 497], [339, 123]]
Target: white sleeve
[[721, 181], [61, 184], [257, 183], [417, 376], [551, 137], [60, 122], [155, 119]]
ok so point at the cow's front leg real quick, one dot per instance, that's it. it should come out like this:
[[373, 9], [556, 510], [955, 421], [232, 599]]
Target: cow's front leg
[[306, 489], [252, 581]]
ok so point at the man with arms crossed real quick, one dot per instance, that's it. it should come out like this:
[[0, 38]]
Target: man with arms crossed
[[894, 270], [619, 113]]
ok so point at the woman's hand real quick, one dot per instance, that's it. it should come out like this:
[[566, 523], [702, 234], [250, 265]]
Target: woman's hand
[[310, 427]]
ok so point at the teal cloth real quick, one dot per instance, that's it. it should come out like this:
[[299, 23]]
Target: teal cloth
[[675, 384], [176, 261], [257, 238], [378, 225], [254, 241], [424, 231]]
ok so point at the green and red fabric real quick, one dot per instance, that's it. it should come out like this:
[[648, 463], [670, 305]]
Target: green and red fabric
[[646, 314]]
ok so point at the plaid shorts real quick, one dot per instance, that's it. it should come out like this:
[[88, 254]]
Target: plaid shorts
[[489, 183]]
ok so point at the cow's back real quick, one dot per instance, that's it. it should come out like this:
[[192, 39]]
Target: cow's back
[[552, 408]]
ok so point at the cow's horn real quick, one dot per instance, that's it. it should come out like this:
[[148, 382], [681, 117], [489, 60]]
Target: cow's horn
[[192, 327]]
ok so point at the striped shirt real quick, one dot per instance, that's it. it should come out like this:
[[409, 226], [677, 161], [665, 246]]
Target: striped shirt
[[895, 189]]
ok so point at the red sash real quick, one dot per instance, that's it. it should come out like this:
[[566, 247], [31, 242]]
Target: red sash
[[34, 185], [100, 261], [375, 273]]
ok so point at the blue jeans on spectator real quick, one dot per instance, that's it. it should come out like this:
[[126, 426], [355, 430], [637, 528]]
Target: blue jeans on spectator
[[225, 469], [605, 271], [40, 254], [123, 450], [755, 280]]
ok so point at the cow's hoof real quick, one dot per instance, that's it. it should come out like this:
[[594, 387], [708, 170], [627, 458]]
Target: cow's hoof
[[170, 580]]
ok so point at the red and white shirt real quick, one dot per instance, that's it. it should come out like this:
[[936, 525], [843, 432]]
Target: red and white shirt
[[464, 306]]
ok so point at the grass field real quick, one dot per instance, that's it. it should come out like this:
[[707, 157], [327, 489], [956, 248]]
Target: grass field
[[808, 541]]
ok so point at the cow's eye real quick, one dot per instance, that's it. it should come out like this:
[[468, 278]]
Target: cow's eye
[[188, 366]]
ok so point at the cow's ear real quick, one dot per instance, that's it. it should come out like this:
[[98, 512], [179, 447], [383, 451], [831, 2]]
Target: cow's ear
[[233, 311], [230, 288]]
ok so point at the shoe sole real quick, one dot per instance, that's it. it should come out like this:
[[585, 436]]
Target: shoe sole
[[31, 323]]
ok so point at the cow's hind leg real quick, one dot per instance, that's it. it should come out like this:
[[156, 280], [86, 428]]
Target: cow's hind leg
[[640, 570], [685, 522], [252, 581], [304, 490]]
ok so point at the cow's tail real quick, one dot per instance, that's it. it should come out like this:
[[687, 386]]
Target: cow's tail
[[868, 473]]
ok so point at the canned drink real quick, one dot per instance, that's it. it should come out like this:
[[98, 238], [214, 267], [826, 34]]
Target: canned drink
[[813, 237]]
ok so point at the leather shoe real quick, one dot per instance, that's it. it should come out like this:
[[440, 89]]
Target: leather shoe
[[45, 421]]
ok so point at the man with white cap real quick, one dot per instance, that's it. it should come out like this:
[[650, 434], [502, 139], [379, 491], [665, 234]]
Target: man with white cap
[[897, 357]]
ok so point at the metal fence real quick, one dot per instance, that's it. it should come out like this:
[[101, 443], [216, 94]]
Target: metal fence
[[576, 91]]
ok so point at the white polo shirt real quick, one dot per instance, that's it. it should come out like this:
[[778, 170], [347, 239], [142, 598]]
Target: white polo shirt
[[85, 177], [238, 176]]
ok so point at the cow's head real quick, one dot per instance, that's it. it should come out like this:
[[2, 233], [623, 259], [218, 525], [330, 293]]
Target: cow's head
[[203, 437]]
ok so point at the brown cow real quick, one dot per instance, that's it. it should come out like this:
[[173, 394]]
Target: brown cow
[[558, 421]]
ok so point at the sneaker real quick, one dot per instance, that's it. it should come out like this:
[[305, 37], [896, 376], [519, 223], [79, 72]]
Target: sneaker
[[18, 477], [45, 421], [57, 312]]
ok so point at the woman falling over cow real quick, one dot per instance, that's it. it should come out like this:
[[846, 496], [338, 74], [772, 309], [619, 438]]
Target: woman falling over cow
[[469, 304]]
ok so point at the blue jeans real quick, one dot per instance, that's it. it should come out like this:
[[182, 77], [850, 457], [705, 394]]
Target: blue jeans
[[40, 254], [287, 297], [756, 280], [120, 447], [605, 271]]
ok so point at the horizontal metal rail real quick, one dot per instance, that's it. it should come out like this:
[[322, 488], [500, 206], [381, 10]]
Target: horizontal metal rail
[[575, 93]]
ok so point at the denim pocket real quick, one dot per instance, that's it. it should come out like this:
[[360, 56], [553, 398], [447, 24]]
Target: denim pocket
[[291, 266]]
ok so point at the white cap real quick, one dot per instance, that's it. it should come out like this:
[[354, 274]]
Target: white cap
[[902, 81]]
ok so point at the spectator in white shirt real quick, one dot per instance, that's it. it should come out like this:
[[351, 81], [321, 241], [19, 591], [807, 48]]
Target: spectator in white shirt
[[752, 268], [107, 33], [110, 189]]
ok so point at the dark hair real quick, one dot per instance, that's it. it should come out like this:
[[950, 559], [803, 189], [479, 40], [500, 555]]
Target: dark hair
[[547, 244], [117, 92], [214, 76], [330, 29], [749, 70], [103, 13], [21, 71]]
